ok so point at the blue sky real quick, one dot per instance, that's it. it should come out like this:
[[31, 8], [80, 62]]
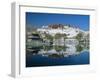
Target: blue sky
[[40, 19]]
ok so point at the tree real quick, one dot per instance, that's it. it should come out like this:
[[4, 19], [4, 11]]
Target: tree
[[79, 48], [49, 37], [58, 36], [79, 36]]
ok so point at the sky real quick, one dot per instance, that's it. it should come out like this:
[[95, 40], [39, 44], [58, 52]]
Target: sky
[[40, 19]]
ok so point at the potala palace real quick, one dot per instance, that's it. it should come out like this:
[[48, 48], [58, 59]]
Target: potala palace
[[61, 29], [57, 39]]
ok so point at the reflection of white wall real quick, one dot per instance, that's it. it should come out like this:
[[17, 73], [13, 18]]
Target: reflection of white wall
[[71, 50], [71, 41], [59, 42]]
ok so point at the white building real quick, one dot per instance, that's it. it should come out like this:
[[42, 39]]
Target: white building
[[69, 31]]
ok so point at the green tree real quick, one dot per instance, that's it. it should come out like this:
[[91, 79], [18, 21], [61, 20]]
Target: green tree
[[49, 37], [79, 48], [57, 36], [79, 36]]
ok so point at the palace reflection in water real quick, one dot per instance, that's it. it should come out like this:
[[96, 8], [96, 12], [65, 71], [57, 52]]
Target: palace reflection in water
[[58, 52]]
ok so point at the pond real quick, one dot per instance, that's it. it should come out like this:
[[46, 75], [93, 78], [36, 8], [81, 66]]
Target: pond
[[71, 53]]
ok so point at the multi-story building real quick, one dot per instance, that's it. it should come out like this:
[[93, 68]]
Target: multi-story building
[[58, 28]]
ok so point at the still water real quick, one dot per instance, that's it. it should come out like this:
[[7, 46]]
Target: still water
[[69, 54]]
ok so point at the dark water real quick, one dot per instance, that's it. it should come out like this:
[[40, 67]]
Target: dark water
[[40, 60]]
